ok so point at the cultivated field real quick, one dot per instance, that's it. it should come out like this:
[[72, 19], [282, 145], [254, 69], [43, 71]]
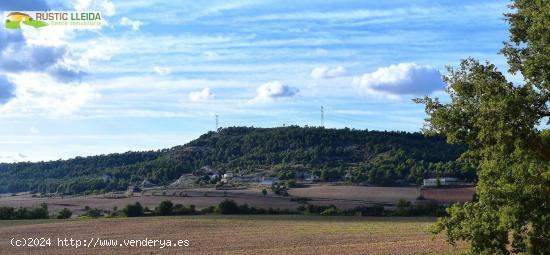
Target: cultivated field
[[341, 196], [360, 194], [449, 195], [237, 235]]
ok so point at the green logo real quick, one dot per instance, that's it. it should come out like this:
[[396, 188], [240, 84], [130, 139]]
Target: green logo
[[14, 20]]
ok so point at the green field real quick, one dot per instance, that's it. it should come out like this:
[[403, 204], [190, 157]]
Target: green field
[[290, 234]]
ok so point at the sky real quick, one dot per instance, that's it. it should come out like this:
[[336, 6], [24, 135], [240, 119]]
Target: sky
[[157, 73]]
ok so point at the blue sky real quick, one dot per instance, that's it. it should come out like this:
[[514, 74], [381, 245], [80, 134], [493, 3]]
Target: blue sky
[[157, 72]]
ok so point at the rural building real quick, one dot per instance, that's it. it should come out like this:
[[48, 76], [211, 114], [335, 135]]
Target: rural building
[[18, 16], [226, 177], [445, 181]]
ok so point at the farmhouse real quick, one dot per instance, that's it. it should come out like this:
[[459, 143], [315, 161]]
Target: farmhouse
[[18, 16], [445, 181], [226, 177]]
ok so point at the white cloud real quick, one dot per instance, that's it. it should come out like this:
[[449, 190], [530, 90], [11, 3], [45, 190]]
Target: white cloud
[[162, 70], [324, 72], [39, 92], [201, 95], [273, 90], [34, 130], [135, 24], [106, 7], [396, 80]]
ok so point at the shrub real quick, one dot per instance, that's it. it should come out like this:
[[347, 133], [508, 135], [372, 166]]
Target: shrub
[[228, 207], [166, 207], [64, 214], [94, 213], [9, 213], [134, 210]]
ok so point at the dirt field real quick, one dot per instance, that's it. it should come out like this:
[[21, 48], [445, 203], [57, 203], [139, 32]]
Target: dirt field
[[449, 195], [236, 235], [360, 193], [76, 204], [341, 196]]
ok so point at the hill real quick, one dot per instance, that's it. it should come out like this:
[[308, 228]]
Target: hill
[[382, 158]]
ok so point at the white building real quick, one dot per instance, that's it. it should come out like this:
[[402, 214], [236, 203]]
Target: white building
[[445, 181]]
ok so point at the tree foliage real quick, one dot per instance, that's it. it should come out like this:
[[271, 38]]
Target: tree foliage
[[502, 125], [384, 158]]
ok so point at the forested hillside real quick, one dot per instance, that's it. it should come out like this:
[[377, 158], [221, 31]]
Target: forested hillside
[[383, 158]]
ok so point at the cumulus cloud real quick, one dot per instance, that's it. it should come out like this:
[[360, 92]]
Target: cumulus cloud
[[36, 64], [6, 90], [396, 80], [201, 95], [324, 72], [161, 70], [273, 90], [40, 93], [135, 24], [36, 50]]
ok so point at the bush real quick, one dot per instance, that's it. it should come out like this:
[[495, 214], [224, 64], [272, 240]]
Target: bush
[[64, 214], [135, 210], [10, 213], [228, 207], [180, 209], [210, 209], [94, 213], [166, 208], [7, 213]]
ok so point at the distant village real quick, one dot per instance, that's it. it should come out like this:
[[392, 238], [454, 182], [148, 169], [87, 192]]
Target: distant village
[[209, 176]]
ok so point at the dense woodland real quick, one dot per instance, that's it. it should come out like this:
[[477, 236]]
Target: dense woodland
[[380, 158]]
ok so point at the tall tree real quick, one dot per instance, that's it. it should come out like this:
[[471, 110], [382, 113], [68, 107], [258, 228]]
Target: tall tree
[[502, 124]]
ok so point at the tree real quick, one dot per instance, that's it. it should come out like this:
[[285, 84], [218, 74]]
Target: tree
[[228, 207], [166, 207], [64, 214], [135, 210], [500, 123], [264, 192]]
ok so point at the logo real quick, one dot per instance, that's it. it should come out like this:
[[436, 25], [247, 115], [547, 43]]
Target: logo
[[85, 20]]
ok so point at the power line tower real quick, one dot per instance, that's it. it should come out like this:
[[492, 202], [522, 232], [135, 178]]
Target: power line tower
[[322, 116], [217, 123]]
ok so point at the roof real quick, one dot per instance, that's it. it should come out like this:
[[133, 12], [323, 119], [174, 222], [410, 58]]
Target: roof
[[18, 13]]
